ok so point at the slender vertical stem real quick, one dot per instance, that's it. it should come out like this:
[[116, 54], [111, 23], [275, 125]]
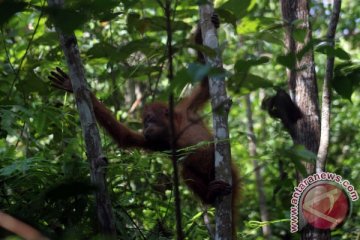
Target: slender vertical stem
[[264, 214], [326, 97], [179, 231]]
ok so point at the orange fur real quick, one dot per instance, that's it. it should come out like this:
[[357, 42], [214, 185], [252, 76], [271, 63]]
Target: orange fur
[[198, 169]]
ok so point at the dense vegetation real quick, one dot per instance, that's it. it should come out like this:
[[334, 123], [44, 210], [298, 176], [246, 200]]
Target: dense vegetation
[[44, 175]]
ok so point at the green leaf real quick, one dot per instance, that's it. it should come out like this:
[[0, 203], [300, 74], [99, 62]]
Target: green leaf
[[181, 78], [197, 216], [22, 165], [102, 50], [129, 3], [41, 121], [66, 19], [343, 86], [346, 79], [156, 24], [105, 50], [271, 37], [204, 49], [8, 8], [140, 70], [254, 82], [144, 45], [342, 54], [330, 51], [133, 22], [288, 60], [226, 16], [304, 154], [108, 16], [48, 38], [326, 49], [248, 25], [31, 84], [239, 8], [245, 83], [76, 13], [245, 65], [299, 166], [299, 34], [308, 47]]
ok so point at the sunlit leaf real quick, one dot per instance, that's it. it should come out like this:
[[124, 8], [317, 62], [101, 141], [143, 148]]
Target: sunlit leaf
[[248, 25]]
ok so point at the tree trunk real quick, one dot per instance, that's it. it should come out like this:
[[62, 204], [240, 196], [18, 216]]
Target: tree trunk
[[304, 93], [220, 104], [302, 79], [91, 134]]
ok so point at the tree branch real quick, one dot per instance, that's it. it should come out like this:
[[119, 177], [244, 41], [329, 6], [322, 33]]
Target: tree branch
[[326, 97]]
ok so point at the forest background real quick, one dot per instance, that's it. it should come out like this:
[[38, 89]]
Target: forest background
[[44, 175]]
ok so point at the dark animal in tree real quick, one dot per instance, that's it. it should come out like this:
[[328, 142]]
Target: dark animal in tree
[[280, 106], [198, 169]]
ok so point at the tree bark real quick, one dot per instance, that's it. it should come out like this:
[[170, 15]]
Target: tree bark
[[304, 92], [97, 160], [326, 97], [220, 104], [264, 214], [302, 82]]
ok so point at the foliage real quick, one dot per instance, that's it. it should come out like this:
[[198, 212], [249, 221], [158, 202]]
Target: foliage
[[44, 176]]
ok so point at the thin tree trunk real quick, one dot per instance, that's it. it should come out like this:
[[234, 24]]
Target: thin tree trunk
[[91, 134], [264, 214], [326, 97], [220, 104], [179, 231]]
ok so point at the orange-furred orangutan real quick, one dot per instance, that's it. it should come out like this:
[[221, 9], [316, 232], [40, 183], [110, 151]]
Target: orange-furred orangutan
[[198, 171]]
